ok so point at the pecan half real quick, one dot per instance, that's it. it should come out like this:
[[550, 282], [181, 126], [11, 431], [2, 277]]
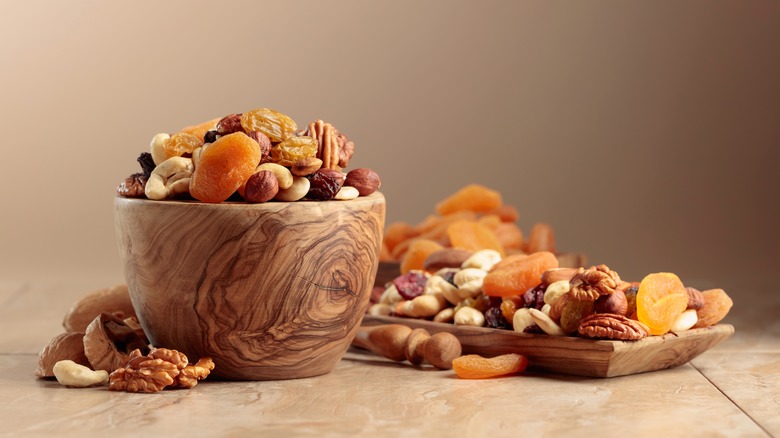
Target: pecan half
[[149, 373], [334, 148], [589, 284], [611, 326], [133, 186]]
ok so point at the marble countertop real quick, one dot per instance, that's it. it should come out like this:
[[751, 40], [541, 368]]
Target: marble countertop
[[730, 390]]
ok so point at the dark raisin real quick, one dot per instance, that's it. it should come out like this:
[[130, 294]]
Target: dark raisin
[[534, 330], [410, 285], [495, 319], [534, 298], [325, 183], [210, 137], [449, 276], [147, 163]]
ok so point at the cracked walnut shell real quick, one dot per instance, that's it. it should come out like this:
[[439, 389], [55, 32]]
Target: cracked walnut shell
[[611, 326], [589, 284]]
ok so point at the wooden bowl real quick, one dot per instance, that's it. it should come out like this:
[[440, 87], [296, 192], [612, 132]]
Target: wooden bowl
[[269, 291]]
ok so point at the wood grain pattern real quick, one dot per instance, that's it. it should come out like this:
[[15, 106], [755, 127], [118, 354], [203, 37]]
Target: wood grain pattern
[[269, 291], [578, 356]]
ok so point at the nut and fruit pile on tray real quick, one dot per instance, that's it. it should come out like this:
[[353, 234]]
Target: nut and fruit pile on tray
[[257, 156], [469, 265], [531, 294]]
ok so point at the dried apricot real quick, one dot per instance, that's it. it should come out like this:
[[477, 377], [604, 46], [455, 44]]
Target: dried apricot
[[541, 238], [509, 235], [660, 300], [507, 213], [201, 129], [398, 232], [518, 276], [716, 306], [474, 197], [473, 236], [223, 167], [418, 251], [473, 366]]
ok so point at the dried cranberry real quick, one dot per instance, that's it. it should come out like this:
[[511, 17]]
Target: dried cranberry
[[495, 319], [534, 298], [410, 285]]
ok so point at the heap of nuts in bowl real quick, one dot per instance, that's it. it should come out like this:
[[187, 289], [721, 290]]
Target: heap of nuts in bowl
[[256, 156], [104, 345], [529, 293]]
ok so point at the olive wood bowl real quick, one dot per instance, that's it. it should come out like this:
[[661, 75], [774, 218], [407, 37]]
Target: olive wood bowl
[[268, 291]]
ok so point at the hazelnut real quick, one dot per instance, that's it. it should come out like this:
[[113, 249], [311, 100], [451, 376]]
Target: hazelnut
[[366, 181], [230, 124], [261, 187], [264, 142], [615, 303]]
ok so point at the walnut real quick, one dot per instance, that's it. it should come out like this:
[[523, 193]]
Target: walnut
[[161, 368], [695, 298], [611, 326], [133, 186], [334, 148], [189, 376], [149, 373], [589, 284]]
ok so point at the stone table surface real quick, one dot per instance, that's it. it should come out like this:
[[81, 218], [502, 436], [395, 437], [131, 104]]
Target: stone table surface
[[730, 390]]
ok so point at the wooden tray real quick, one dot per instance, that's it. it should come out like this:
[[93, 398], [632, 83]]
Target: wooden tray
[[577, 356]]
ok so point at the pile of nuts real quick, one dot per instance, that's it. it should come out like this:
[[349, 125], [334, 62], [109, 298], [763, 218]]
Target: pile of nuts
[[591, 303], [256, 156], [104, 343]]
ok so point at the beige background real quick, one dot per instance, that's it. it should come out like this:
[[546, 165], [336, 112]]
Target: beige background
[[645, 133]]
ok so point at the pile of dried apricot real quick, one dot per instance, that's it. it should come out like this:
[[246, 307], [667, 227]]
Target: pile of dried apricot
[[256, 156], [473, 218], [532, 294]]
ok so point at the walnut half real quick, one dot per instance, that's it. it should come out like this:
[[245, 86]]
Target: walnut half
[[589, 284], [159, 369]]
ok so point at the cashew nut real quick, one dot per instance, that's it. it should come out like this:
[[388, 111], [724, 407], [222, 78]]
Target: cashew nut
[[522, 320], [346, 193], [70, 373], [483, 259], [297, 190], [283, 174], [380, 309], [546, 323], [469, 281], [438, 285], [390, 295], [445, 315], [685, 321], [555, 290], [469, 316], [169, 178], [157, 148], [421, 306]]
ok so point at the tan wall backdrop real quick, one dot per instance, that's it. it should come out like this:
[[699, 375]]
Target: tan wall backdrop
[[646, 133]]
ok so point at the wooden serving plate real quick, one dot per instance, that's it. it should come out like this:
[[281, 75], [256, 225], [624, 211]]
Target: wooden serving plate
[[577, 356]]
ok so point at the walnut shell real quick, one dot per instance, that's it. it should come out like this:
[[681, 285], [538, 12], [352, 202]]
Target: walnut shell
[[84, 311], [65, 346], [108, 342]]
